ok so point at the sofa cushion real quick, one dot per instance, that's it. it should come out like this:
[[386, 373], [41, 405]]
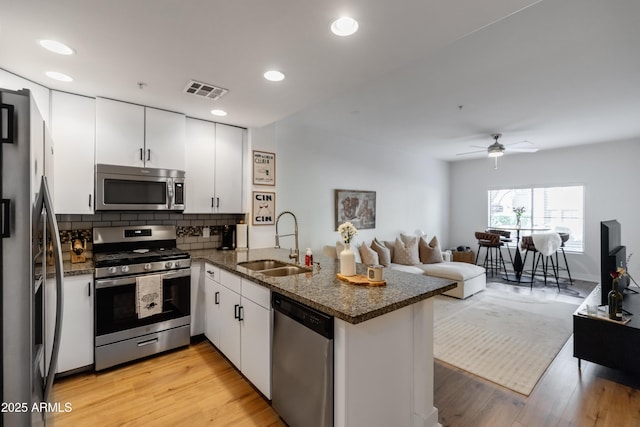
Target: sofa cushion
[[430, 253], [415, 269], [406, 254], [452, 270], [368, 255], [384, 254], [356, 250]]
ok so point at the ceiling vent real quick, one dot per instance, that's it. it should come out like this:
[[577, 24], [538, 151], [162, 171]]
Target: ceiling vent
[[205, 90]]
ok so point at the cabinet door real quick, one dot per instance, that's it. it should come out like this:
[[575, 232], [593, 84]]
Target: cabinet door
[[200, 156], [119, 133], [164, 139], [256, 345], [73, 127], [76, 340], [230, 325], [212, 304], [229, 168], [198, 293]]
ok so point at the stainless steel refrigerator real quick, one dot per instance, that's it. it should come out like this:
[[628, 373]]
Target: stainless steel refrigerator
[[30, 342]]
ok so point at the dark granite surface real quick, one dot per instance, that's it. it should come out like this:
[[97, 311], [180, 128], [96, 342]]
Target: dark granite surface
[[323, 291]]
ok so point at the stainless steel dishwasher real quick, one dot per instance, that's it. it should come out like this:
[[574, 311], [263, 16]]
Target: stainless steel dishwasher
[[302, 364]]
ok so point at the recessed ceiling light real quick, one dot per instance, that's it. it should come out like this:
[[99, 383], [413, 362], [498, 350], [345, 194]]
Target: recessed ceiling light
[[344, 26], [274, 76], [56, 47], [220, 113], [58, 76]]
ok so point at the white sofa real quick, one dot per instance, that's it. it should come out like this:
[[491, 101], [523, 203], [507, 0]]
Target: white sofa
[[471, 278]]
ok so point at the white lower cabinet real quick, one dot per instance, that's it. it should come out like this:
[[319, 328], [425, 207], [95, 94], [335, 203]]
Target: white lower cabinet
[[76, 340], [238, 322]]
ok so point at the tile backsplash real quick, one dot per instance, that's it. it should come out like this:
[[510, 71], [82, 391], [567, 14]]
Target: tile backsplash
[[188, 227]]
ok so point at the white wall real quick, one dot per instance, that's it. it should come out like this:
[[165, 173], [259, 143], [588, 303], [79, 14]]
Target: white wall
[[412, 190], [609, 172]]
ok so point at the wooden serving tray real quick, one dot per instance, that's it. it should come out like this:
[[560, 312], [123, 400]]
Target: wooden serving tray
[[360, 279]]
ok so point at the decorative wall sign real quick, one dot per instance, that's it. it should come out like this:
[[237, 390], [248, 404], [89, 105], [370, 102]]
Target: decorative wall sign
[[264, 168], [264, 208], [357, 207]]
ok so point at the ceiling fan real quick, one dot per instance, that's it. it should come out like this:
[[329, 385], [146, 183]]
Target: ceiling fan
[[497, 149]]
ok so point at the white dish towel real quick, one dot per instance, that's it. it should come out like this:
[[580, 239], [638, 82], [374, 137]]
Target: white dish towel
[[148, 295]]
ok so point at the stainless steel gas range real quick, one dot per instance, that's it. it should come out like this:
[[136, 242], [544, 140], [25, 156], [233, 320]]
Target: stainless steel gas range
[[142, 293]]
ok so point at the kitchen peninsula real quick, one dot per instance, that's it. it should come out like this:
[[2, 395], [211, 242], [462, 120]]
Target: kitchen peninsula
[[383, 336]]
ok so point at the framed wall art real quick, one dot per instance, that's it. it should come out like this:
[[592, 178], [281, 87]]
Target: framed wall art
[[357, 207], [264, 168], [264, 208]]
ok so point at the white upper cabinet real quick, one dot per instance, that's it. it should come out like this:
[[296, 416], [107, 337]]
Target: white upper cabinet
[[228, 180], [164, 139], [214, 159], [73, 120], [200, 160], [133, 135]]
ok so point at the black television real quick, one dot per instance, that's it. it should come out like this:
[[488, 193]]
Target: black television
[[612, 255]]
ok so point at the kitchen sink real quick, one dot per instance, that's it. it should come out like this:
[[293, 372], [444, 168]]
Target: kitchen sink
[[285, 271], [274, 268], [264, 264]]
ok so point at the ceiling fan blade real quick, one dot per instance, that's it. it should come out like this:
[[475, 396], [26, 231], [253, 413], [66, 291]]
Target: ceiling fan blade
[[471, 152], [522, 150]]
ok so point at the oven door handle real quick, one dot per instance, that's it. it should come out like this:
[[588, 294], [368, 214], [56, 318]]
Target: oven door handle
[[129, 280]]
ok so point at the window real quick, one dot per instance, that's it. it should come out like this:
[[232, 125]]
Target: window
[[560, 209]]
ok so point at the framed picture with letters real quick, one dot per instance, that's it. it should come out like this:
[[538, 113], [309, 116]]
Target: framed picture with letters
[[264, 168], [264, 208]]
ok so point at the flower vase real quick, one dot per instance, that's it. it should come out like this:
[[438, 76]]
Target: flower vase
[[347, 261]]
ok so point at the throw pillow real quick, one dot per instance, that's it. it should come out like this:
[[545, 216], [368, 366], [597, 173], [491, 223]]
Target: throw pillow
[[340, 247], [368, 255], [389, 245], [384, 254], [407, 239], [406, 254], [430, 253]]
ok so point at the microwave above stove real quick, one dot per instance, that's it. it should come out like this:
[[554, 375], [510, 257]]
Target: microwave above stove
[[139, 189]]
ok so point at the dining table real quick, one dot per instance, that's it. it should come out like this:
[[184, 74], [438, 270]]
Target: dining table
[[518, 265]]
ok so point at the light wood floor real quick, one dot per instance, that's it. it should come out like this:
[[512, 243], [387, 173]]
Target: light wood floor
[[197, 386]]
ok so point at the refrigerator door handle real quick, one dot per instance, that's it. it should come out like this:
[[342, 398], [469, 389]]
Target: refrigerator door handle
[[6, 132], [6, 218], [44, 202]]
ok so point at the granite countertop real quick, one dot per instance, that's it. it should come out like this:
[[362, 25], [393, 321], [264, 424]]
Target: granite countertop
[[320, 289], [323, 291]]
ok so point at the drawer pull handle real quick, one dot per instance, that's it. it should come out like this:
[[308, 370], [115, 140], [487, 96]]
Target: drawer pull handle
[[148, 342], [236, 311], [216, 299]]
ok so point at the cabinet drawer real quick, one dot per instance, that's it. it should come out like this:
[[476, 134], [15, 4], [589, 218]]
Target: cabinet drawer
[[230, 281], [256, 293]]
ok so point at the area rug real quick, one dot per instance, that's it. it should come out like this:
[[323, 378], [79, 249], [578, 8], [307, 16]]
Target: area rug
[[508, 339]]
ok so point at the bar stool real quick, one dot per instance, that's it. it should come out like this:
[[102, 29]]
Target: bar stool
[[505, 239], [493, 255], [564, 237], [543, 246]]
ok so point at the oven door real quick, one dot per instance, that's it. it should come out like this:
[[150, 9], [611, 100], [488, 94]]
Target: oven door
[[115, 307]]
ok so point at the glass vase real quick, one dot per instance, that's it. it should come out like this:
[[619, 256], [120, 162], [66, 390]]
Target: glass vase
[[347, 261]]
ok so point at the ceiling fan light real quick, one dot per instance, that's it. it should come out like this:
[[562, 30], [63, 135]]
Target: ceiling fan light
[[496, 153]]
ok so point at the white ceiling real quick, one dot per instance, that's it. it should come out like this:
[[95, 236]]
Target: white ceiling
[[429, 75]]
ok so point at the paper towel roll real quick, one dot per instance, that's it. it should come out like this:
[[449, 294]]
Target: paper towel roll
[[241, 236]]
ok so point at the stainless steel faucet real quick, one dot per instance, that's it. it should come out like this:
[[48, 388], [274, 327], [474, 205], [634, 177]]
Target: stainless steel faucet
[[292, 255]]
